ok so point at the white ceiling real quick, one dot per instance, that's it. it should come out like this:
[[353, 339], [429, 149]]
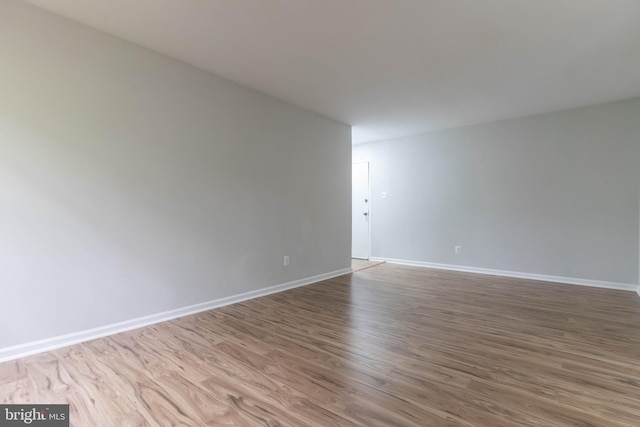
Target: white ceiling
[[394, 67]]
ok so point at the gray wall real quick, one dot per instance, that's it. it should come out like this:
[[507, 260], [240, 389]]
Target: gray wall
[[554, 194], [131, 183]]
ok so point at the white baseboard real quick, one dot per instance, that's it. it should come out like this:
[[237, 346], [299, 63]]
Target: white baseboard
[[516, 274], [28, 349], [638, 291]]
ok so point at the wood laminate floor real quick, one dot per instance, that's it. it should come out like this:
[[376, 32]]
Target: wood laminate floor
[[390, 345]]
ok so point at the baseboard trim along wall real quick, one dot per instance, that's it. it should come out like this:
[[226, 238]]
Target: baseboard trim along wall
[[638, 291], [516, 274], [28, 349]]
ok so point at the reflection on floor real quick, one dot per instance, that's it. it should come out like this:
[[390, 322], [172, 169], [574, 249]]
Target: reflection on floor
[[361, 264]]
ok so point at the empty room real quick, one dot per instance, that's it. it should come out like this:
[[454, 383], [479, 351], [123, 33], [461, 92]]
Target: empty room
[[320, 213]]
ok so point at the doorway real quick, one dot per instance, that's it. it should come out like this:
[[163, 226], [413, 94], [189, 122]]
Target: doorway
[[360, 212]]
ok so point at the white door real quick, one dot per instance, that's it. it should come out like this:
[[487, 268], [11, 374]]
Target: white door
[[360, 211]]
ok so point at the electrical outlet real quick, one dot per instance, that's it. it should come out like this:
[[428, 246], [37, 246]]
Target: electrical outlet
[[286, 260], [457, 250], [383, 195]]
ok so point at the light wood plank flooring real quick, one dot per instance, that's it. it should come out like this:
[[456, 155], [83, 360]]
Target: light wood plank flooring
[[390, 345]]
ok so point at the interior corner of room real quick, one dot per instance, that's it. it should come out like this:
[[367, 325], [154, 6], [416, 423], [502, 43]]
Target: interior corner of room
[[106, 218], [552, 197], [138, 186]]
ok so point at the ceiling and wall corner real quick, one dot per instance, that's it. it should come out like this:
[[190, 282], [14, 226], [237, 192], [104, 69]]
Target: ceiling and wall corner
[[397, 68]]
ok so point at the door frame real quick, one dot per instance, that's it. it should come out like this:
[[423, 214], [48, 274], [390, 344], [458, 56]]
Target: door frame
[[368, 204]]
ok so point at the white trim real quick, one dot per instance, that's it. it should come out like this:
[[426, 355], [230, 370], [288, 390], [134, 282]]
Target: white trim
[[516, 274], [30, 348], [638, 291]]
